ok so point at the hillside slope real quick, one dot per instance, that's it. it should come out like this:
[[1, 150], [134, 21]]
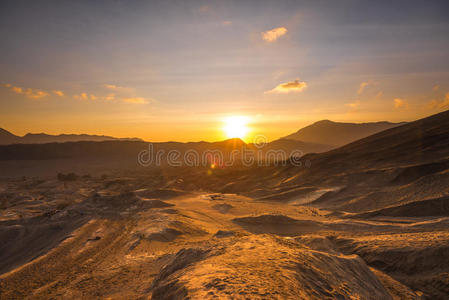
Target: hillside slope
[[338, 134]]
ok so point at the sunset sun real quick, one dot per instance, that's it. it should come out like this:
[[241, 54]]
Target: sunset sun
[[236, 127]]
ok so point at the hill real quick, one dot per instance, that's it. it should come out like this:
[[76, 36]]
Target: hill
[[338, 134], [7, 138]]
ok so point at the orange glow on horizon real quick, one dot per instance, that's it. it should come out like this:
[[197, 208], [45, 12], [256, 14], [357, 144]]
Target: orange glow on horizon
[[236, 127]]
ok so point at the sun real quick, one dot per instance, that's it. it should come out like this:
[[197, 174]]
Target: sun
[[236, 127]]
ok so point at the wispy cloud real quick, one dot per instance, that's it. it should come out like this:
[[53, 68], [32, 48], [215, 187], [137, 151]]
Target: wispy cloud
[[82, 96], [226, 23], [400, 103], [30, 93], [126, 94], [289, 87], [109, 97], [120, 93], [93, 97], [17, 90], [119, 89], [273, 34], [136, 100], [364, 85], [35, 94], [58, 93], [439, 103], [353, 105]]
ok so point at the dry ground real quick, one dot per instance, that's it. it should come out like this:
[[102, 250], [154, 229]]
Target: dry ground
[[117, 239]]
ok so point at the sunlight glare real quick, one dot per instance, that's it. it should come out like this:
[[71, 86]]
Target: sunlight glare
[[236, 127]]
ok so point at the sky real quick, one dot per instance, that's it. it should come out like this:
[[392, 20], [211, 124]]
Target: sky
[[177, 70]]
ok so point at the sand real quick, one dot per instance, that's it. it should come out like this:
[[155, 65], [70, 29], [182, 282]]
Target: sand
[[111, 243]]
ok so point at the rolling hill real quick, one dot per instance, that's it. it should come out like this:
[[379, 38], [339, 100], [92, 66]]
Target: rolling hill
[[7, 138], [337, 134]]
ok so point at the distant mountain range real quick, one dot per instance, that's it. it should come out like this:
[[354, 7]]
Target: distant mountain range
[[7, 138], [319, 137], [336, 134]]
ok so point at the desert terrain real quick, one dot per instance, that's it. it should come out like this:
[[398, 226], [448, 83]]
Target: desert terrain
[[368, 220]]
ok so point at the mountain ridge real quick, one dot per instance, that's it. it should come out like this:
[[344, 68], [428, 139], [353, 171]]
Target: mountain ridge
[[336, 134], [7, 138]]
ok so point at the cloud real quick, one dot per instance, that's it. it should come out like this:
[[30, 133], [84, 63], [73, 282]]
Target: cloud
[[363, 85], [110, 86], [226, 23], [273, 34], [353, 105], [109, 97], [442, 103], [92, 97], [293, 86], [58, 93], [82, 96], [400, 103], [126, 94], [119, 89], [135, 100], [35, 94], [17, 90], [30, 93]]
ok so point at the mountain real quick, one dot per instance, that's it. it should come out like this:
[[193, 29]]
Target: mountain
[[338, 134], [7, 138], [42, 138]]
